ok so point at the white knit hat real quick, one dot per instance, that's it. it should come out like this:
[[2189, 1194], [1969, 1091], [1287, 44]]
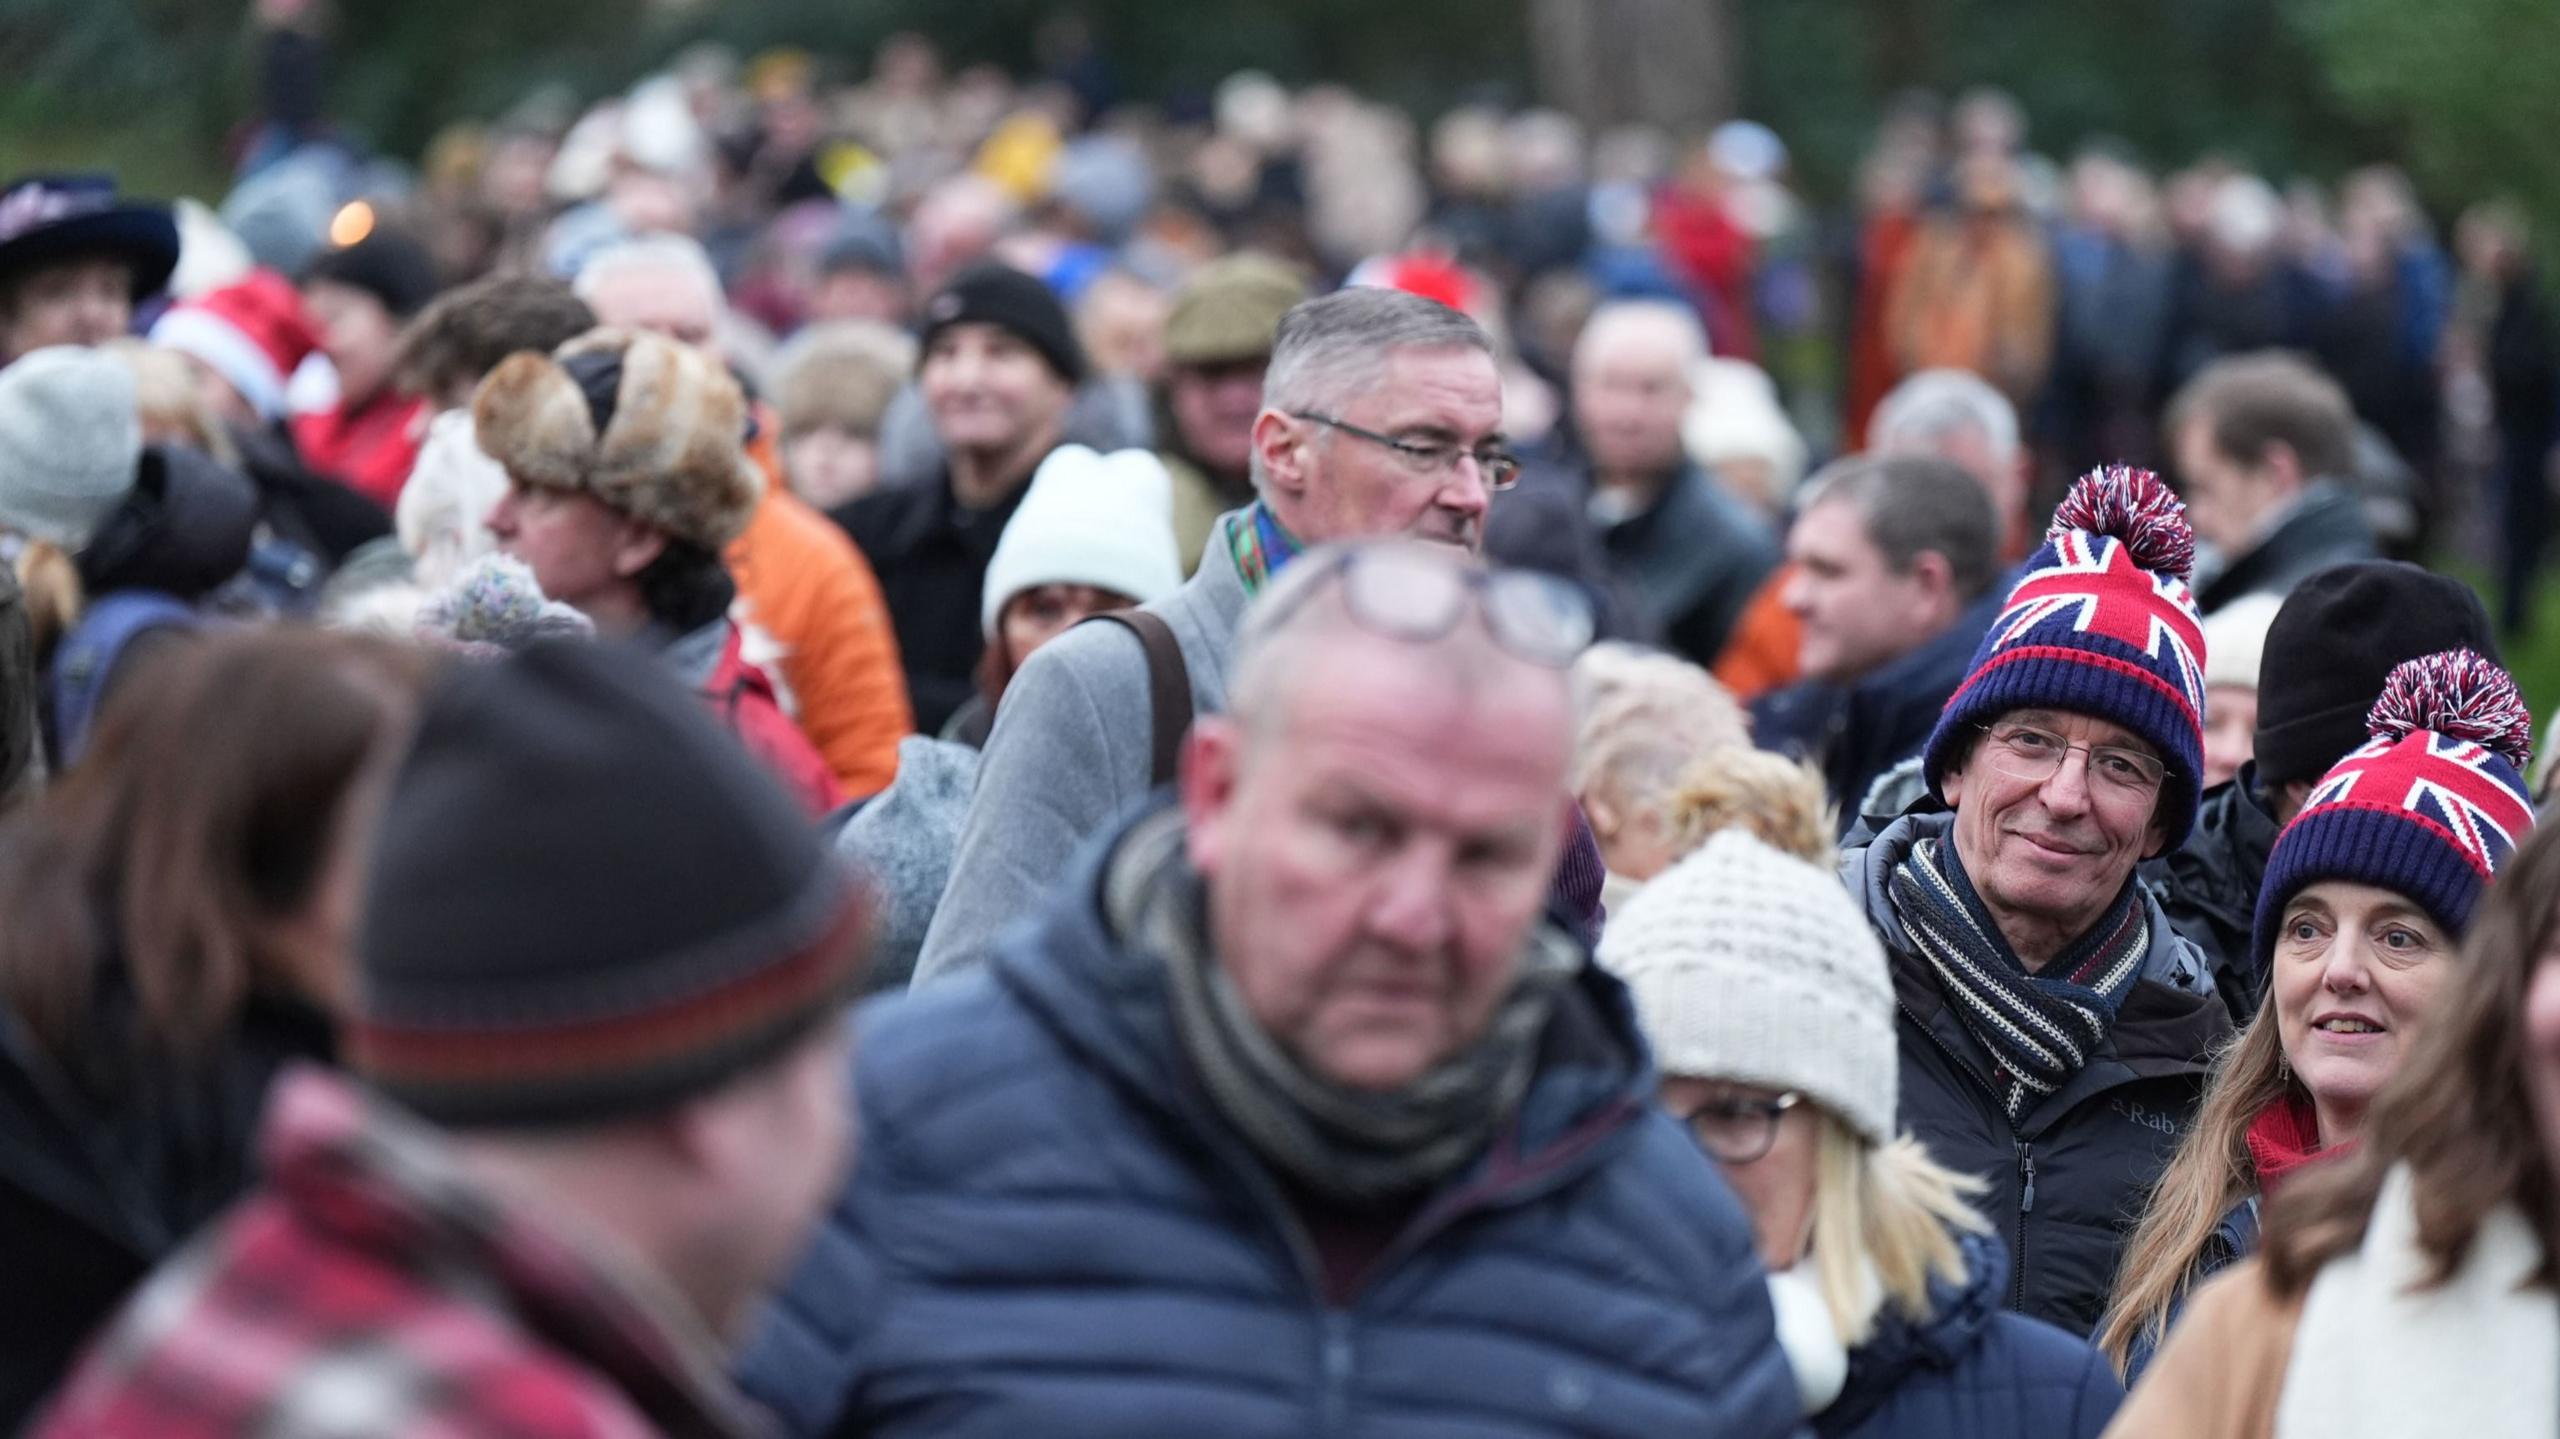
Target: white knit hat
[[1752, 966], [70, 442], [1088, 519], [2235, 639]]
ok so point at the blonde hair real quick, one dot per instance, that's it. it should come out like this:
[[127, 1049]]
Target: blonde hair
[[2210, 1172], [164, 386], [1885, 1220], [1777, 800], [1645, 716], [55, 598]]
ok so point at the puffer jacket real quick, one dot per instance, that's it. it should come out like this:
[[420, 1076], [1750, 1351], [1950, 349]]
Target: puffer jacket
[[2232, 1240], [1051, 1231], [1971, 1370], [2069, 1179], [2209, 887]]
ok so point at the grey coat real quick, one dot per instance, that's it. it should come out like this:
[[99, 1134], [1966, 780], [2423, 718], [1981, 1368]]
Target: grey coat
[[1069, 754]]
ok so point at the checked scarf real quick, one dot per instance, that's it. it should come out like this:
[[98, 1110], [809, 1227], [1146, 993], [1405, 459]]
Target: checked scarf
[[1261, 547], [2040, 1028]]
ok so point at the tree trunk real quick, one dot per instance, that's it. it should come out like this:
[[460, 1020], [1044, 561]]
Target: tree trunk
[[1658, 62]]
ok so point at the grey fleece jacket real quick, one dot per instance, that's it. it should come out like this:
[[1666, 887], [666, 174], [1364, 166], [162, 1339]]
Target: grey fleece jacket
[[1069, 754]]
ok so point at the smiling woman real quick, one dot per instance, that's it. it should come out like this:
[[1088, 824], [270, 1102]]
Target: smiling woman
[[2367, 893]]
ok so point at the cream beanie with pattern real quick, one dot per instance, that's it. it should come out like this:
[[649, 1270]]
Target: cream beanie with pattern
[[1751, 965]]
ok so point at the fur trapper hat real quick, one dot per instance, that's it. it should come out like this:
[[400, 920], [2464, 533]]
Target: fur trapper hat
[[651, 428]]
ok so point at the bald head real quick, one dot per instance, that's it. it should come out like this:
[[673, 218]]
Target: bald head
[[1631, 385], [664, 284]]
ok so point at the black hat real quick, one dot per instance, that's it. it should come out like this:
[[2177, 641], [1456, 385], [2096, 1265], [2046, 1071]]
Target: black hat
[[2337, 639], [48, 219], [588, 902], [992, 294], [387, 265]]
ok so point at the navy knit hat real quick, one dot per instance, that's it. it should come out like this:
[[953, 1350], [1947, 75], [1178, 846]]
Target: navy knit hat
[[2430, 807], [998, 295], [588, 902], [2102, 625]]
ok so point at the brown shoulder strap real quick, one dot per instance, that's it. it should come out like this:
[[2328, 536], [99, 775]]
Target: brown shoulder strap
[[1168, 689]]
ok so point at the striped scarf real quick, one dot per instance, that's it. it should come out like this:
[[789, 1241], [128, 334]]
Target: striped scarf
[[1261, 547], [2040, 1028]]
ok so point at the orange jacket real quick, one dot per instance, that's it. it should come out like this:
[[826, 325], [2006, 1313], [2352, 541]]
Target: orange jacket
[[1762, 656], [807, 586]]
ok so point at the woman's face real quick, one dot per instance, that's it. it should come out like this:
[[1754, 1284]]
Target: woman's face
[[2355, 970], [1037, 615], [2542, 1044], [1731, 1122]]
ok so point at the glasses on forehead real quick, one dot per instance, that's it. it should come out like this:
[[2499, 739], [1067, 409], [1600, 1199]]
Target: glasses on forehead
[[1500, 467], [1406, 592], [2023, 751]]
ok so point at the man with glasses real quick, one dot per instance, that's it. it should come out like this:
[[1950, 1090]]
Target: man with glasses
[[1381, 415], [2055, 1030], [1291, 1113]]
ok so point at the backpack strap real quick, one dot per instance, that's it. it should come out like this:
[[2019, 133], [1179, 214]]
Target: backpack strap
[[1168, 690]]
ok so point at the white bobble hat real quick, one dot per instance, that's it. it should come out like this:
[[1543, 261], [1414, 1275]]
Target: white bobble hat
[[70, 442], [1750, 965], [1088, 519]]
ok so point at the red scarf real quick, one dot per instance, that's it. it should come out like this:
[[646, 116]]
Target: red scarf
[[2283, 1138]]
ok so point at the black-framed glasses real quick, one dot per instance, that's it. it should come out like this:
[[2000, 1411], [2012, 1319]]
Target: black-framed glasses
[[1736, 1130], [1500, 468], [2024, 751], [1407, 591]]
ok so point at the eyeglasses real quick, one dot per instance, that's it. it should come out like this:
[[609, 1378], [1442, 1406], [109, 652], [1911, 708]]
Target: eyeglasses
[[1739, 1131], [1500, 468], [1407, 592], [2025, 752]]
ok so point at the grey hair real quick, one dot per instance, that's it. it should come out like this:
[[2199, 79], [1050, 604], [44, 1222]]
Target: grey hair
[[1332, 347], [1924, 410], [1914, 505], [650, 254]]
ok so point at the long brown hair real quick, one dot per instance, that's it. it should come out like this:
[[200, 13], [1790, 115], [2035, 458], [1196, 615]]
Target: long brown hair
[[2459, 1114], [2210, 1172], [205, 811]]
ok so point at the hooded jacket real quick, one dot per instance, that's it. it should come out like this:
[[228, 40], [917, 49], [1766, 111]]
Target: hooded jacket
[[2069, 1179], [1052, 1231], [1971, 1370]]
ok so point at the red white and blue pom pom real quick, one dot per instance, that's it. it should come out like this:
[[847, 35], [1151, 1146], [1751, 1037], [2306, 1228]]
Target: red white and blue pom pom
[[2133, 506], [2459, 694]]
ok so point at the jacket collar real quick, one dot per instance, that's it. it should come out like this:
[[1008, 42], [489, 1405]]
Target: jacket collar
[[1959, 1314]]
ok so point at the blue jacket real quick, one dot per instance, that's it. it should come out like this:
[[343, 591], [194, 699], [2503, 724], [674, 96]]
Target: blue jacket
[[2234, 1239], [1050, 1231], [1972, 1370]]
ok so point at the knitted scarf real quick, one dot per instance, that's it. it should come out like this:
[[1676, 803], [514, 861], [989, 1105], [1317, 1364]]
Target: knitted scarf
[[1352, 1146], [2040, 1028], [1260, 545]]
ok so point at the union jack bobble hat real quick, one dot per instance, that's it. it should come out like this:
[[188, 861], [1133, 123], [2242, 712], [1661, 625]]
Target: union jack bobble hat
[[2430, 807], [2101, 624]]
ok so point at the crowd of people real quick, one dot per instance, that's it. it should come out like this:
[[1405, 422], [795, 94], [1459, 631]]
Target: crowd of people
[[951, 756]]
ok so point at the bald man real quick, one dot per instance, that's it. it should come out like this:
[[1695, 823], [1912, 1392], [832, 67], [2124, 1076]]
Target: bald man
[[1693, 552]]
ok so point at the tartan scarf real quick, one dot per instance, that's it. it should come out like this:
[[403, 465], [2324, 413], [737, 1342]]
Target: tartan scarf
[[2039, 1028], [1260, 545]]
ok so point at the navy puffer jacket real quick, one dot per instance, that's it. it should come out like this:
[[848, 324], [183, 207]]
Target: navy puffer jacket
[[1051, 1232], [1972, 1370]]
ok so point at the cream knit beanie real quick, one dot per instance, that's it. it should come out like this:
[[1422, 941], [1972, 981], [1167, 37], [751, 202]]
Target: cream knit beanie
[[1088, 519], [1750, 965]]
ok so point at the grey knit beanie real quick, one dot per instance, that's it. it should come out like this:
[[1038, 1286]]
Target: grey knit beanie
[[903, 841], [70, 442], [1750, 965]]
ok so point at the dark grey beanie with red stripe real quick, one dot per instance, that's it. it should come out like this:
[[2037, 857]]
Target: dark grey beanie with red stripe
[[587, 902]]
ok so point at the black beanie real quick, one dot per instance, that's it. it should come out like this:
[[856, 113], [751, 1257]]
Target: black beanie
[[992, 294], [2337, 638], [387, 265], [588, 902]]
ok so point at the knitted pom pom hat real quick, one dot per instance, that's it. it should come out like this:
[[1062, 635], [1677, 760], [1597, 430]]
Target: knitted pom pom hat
[[2429, 808], [2102, 625]]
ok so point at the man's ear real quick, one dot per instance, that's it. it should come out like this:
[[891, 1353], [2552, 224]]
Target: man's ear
[[2282, 468], [1937, 579], [1212, 755], [1280, 444], [636, 546]]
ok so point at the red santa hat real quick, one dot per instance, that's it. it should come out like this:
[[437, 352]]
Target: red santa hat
[[253, 333]]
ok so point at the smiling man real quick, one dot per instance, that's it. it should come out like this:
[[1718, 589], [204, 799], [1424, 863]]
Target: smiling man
[[2055, 1029], [1291, 1113], [1381, 415]]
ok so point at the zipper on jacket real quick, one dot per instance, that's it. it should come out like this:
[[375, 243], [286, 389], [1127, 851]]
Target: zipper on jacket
[[1338, 1362], [2026, 1206]]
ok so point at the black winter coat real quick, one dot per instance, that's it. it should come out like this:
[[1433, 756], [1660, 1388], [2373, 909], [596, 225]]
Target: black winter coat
[[2327, 528], [2068, 1180], [97, 1187], [1971, 1370], [931, 556], [2209, 887]]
